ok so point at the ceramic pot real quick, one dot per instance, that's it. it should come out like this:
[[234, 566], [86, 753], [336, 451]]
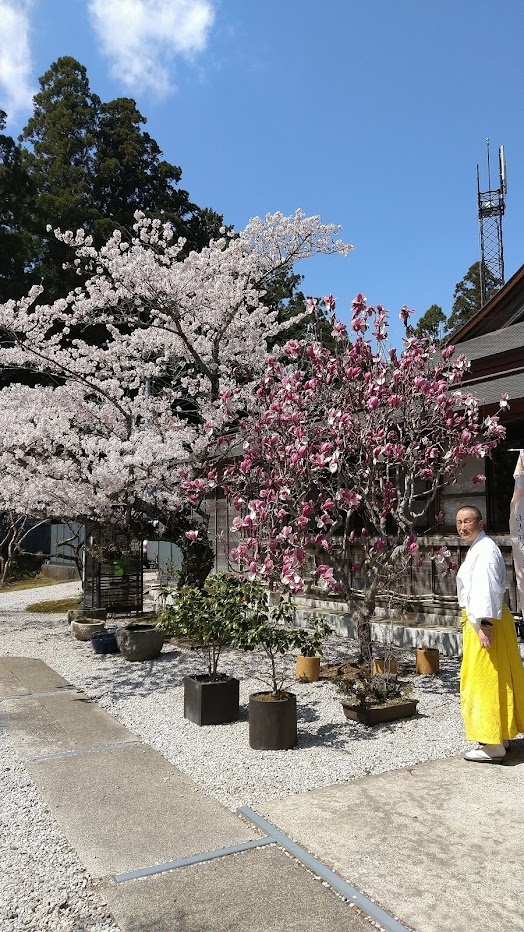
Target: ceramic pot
[[376, 714], [385, 665], [104, 642]]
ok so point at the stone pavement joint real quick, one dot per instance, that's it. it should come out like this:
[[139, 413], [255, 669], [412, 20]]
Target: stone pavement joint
[[389, 923], [194, 859]]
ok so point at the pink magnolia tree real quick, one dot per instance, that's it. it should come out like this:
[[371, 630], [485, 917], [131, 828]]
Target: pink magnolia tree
[[346, 451], [122, 415]]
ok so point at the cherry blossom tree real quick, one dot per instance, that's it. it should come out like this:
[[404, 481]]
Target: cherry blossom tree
[[137, 369], [347, 450]]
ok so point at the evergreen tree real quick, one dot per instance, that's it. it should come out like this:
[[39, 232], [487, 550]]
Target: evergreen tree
[[130, 175], [15, 195], [92, 166], [431, 323], [467, 296]]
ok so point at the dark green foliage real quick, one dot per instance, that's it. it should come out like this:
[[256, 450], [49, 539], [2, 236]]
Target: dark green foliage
[[467, 296], [208, 616], [85, 164], [271, 628], [197, 561], [431, 324], [16, 192]]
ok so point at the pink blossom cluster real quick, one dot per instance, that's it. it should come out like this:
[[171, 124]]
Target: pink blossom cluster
[[347, 449], [107, 437]]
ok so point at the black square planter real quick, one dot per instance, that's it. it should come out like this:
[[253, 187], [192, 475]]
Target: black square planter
[[211, 702]]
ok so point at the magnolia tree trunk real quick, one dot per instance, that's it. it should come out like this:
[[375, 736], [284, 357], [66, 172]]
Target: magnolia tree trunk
[[361, 612]]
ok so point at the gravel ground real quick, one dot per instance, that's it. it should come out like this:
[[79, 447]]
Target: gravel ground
[[148, 699]]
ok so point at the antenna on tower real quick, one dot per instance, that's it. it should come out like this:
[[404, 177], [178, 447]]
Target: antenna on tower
[[491, 207]]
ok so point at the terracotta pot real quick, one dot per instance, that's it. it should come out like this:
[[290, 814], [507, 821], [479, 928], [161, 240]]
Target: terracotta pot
[[385, 665], [376, 714], [272, 722], [427, 660], [84, 629], [307, 669]]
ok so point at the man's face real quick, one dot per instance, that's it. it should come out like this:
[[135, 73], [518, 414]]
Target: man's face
[[469, 525]]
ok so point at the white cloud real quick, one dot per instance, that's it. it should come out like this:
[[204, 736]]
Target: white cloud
[[16, 92], [142, 37]]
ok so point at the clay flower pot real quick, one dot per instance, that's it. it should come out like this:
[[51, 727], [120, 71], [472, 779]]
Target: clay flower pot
[[385, 665], [427, 660], [307, 669]]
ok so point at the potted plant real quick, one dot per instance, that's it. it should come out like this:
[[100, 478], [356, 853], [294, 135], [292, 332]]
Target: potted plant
[[408, 611], [207, 617], [372, 698], [270, 628]]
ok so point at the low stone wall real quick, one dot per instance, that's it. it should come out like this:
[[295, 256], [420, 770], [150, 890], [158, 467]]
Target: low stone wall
[[59, 571]]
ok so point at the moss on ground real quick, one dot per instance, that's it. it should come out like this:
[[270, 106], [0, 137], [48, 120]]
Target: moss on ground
[[56, 605]]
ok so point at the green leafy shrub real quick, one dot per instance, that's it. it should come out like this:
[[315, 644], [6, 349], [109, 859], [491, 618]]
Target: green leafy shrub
[[208, 616]]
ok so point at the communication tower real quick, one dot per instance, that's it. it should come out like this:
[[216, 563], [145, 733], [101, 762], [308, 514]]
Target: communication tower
[[491, 206]]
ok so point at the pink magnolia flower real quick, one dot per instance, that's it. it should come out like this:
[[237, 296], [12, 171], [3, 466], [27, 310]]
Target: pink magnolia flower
[[479, 479], [192, 535]]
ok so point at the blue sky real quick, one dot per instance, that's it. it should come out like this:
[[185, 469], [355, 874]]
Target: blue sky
[[372, 114]]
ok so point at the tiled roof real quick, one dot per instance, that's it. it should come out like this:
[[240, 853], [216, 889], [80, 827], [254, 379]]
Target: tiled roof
[[496, 342], [489, 391]]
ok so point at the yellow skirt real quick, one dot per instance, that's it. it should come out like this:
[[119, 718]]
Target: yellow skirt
[[492, 683]]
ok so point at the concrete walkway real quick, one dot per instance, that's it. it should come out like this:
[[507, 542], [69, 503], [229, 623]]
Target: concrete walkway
[[436, 848]]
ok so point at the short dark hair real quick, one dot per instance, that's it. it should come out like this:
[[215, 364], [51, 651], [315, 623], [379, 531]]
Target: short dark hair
[[478, 513]]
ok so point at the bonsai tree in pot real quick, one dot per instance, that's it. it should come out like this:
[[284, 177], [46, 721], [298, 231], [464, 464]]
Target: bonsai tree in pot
[[372, 698], [345, 452], [209, 617], [270, 628]]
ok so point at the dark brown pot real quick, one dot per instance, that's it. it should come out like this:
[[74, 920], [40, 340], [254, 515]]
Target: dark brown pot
[[272, 722], [211, 702], [375, 714]]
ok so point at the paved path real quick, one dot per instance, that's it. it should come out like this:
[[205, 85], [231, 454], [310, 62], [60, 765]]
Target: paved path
[[435, 848], [132, 818]]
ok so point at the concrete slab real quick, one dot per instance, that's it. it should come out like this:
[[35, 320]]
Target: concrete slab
[[23, 675], [440, 845], [64, 722], [255, 891], [129, 808]]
